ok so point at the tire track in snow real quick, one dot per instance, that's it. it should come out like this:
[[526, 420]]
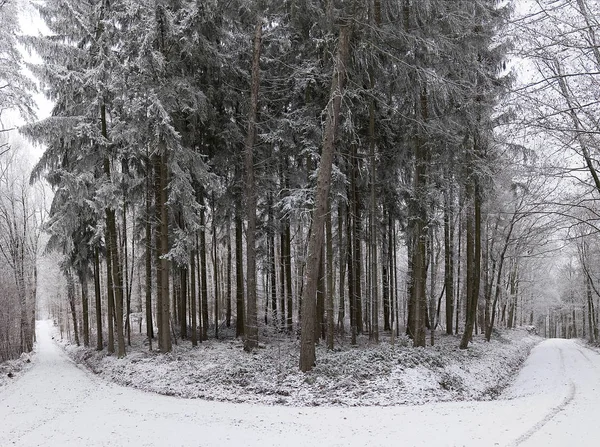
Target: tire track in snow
[[553, 411]]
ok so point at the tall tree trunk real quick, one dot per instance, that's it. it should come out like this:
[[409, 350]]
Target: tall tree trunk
[[490, 327], [473, 266], [110, 303], [162, 248], [282, 288], [342, 263], [251, 329], [418, 253], [71, 299], [373, 220], [288, 275], [215, 270], [148, 259], [125, 257], [183, 300], [356, 242], [203, 275], [449, 252], [385, 282], [272, 261], [350, 260], [239, 274], [85, 308], [307, 342], [330, 279], [200, 289], [320, 328], [458, 272], [98, 296], [111, 232], [193, 309], [228, 279]]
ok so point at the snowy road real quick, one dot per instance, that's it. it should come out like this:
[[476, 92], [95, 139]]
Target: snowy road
[[552, 403]]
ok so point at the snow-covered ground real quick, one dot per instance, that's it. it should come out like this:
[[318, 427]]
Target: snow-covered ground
[[10, 370], [370, 375], [55, 403]]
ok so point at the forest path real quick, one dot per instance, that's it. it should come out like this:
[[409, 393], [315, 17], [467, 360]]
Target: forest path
[[57, 403]]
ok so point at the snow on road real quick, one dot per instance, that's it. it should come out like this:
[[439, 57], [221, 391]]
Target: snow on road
[[56, 403]]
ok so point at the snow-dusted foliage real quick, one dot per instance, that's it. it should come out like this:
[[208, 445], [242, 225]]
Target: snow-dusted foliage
[[349, 376], [15, 87]]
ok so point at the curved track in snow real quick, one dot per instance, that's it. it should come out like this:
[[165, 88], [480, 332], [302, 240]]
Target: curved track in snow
[[56, 403]]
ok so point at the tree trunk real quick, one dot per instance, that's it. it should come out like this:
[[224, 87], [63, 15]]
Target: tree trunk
[[148, 259], [162, 248], [110, 303], [418, 254], [71, 299], [98, 296], [111, 246], [342, 263], [239, 274], [473, 250], [350, 260], [251, 329], [449, 253], [330, 279], [203, 275], [193, 309], [373, 220], [85, 308], [228, 278], [489, 328], [288, 275], [356, 243], [307, 342], [215, 271], [272, 262]]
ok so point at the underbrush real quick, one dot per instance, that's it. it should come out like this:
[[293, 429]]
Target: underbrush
[[10, 370], [367, 374]]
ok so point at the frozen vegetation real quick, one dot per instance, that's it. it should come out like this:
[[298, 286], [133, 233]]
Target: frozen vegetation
[[349, 376]]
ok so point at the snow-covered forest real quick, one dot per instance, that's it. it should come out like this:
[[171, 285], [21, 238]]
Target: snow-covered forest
[[324, 173]]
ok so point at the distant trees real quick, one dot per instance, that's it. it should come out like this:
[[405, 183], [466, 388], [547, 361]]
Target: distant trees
[[559, 102], [21, 220]]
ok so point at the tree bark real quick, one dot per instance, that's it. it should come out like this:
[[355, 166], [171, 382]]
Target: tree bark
[[239, 274], [71, 299], [85, 308], [162, 248], [203, 275], [307, 342], [342, 264], [228, 278], [330, 281], [148, 259], [449, 253], [98, 296], [112, 248], [473, 248], [251, 329]]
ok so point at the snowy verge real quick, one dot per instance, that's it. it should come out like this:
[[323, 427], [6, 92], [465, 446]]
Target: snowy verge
[[11, 370], [367, 375]]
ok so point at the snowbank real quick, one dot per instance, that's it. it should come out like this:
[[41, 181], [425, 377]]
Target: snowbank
[[368, 375], [10, 370]]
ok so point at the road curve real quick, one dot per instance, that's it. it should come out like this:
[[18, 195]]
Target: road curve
[[57, 403]]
